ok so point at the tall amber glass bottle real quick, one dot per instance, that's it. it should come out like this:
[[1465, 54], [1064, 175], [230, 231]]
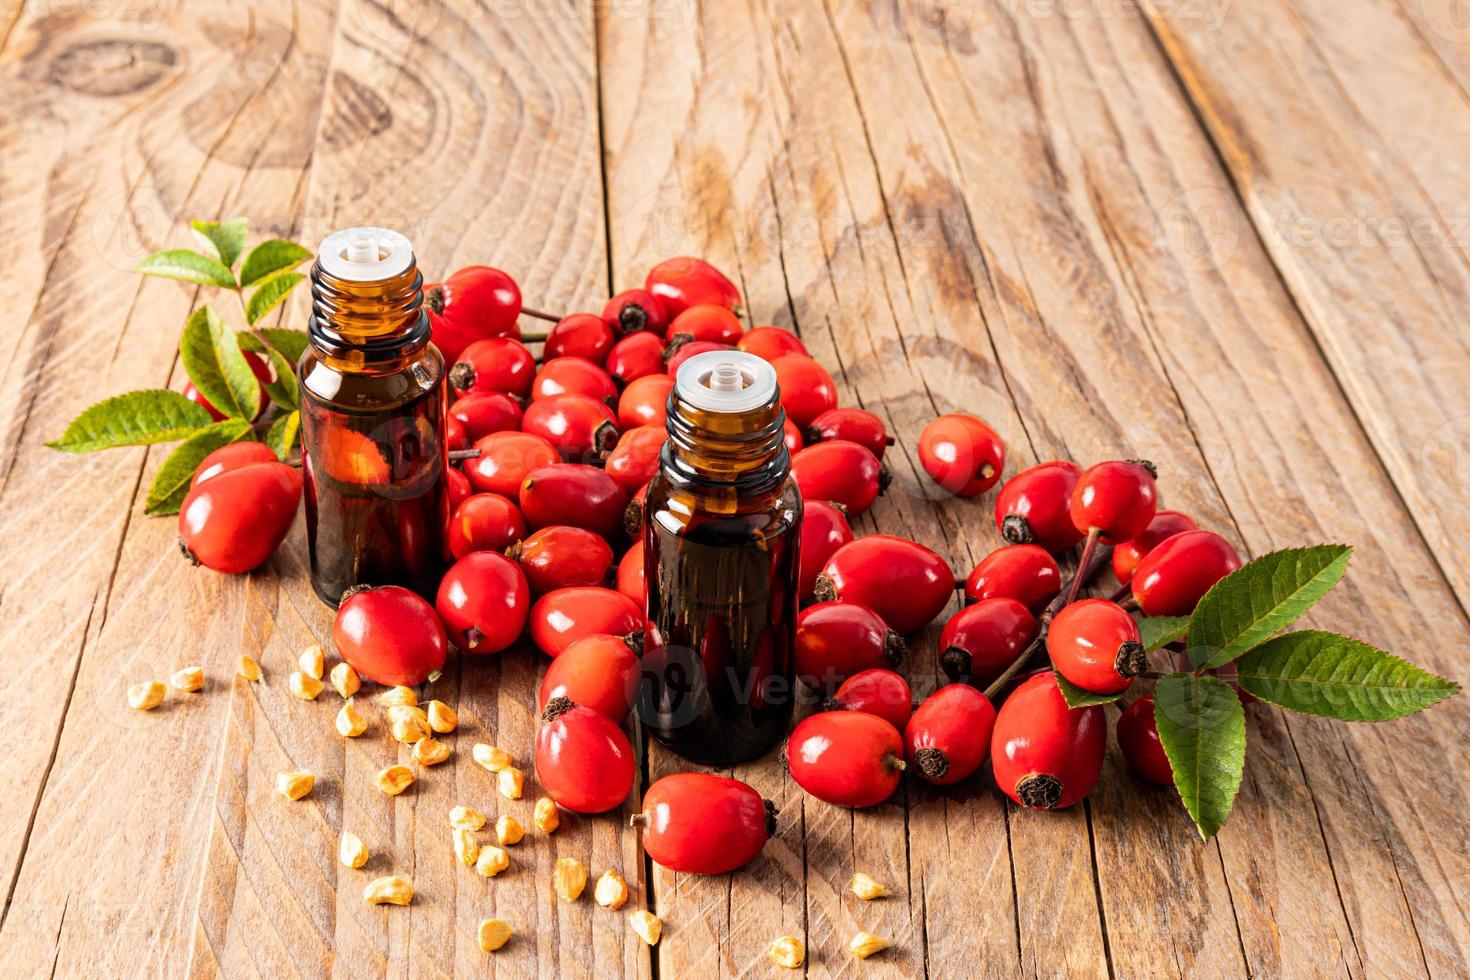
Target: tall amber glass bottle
[[722, 524], [373, 404]]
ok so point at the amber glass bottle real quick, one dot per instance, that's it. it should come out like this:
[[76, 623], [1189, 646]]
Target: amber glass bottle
[[372, 420], [722, 524]]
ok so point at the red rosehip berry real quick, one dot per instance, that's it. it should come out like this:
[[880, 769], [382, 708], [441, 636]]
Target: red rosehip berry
[[1046, 756], [853, 424], [1096, 645], [232, 457], [1175, 575], [1138, 737], [563, 616], [506, 459], [806, 388], [848, 758], [1034, 506], [902, 581], [389, 635], [630, 579], [579, 427], [600, 671], [706, 322], [948, 737], [878, 692], [962, 454], [635, 310], [474, 303], [483, 600], [455, 436], [583, 760], [645, 401], [485, 522], [1117, 499], [682, 282], [576, 376], [1127, 554], [703, 824], [494, 364], [835, 640], [637, 355], [576, 494], [634, 460], [824, 529], [584, 335], [1025, 572], [791, 436], [681, 350], [770, 343], [839, 471], [485, 412], [980, 641], [560, 556], [235, 520], [258, 367]]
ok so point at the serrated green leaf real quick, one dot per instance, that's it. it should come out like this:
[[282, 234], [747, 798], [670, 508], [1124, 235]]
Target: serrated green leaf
[[138, 418], [1160, 631], [291, 343], [1334, 676], [1202, 728], [269, 257], [1076, 697], [269, 293], [181, 263], [283, 434], [225, 239], [212, 357], [282, 387], [171, 483], [1260, 599]]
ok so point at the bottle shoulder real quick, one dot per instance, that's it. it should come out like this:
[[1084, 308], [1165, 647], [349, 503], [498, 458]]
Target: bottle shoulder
[[326, 380]]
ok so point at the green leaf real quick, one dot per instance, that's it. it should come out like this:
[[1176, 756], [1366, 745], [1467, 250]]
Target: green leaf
[[269, 293], [1260, 599], [181, 263], [274, 255], [291, 343], [1076, 697], [1202, 728], [281, 388], [283, 433], [1336, 676], [171, 484], [138, 418], [1159, 631], [226, 240], [212, 357]]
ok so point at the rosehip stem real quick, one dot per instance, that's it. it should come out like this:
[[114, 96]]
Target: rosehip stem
[[1094, 559], [1087, 549], [1122, 593], [539, 315], [534, 338]]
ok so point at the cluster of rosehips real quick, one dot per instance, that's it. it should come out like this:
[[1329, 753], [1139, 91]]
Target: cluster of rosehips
[[1044, 754]]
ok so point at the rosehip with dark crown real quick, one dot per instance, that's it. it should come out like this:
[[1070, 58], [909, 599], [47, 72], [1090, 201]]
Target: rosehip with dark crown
[[579, 427], [635, 310], [473, 303], [1096, 645], [485, 522], [563, 616], [1025, 572], [600, 671], [706, 322], [1034, 506], [1044, 755], [576, 494], [645, 401], [1175, 575], [682, 282], [878, 692], [560, 556], [853, 424], [1117, 499], [483, 600], [824, 529], [583, 760], [980, 641], [505, 460], [681, 350], [835, 640], [494, 364], [902, 581], [235, 520], [948, 737]]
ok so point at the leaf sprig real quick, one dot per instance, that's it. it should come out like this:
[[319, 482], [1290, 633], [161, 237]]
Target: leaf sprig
[[213, 357]]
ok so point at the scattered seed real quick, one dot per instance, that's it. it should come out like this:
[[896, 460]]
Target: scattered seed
[[492, 861], [190, 679], [408, 724], [467, 817], [466, 847], [350, 722], [313, 661], [569, 877], [490, 757], [345, 680], [493, 934], [249, 669], [508, 830], [351, 851], [304, 686], [647, 925], [441, 717], [395, 779], [510, 782], [146, 696], [866, 887], [787, 952], [865, 944], [390, 890], [430, 751], [398, 695], [294, 785], [547, 817], [611, 891]]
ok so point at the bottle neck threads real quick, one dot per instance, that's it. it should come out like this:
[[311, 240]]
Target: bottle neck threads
[[745, 450], [362, 325]]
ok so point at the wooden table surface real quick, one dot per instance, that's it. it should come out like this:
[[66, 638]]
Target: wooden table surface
[[1227, 236]]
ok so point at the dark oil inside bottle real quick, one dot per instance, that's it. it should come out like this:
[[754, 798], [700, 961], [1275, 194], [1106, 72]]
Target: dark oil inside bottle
[[721, 562], [372, 420]]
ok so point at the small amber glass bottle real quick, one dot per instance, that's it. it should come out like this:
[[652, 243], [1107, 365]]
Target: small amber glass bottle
[[721, 530], [373, 404]]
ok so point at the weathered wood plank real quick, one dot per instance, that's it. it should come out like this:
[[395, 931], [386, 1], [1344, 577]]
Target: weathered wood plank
[[125, 133], [461, 132]]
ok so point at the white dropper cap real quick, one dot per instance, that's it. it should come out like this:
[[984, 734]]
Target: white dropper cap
[[726, 381], [365, 254]]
